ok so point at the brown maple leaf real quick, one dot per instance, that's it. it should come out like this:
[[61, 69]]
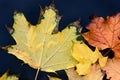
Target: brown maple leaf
[[105, 33], [95, 74], [112, 69]]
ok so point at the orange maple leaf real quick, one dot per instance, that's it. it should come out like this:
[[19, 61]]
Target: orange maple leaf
[[105, 33]]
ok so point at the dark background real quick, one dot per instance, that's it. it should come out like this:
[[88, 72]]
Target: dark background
[[71, 10]]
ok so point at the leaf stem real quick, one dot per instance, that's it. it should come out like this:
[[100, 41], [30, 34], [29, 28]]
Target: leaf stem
[[36, 76], [40, 60], [107, 53]]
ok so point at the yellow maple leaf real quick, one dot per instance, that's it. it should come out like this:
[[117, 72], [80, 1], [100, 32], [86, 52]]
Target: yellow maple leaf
[[37, 46], [86, 57], [4, 76], [102, 60]]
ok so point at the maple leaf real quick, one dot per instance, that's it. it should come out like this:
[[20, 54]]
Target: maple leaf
[[6, 77], [37, 46], [12, 77], [95, 74], [53, 78], [86, 57], [104, 33], [112, 69]]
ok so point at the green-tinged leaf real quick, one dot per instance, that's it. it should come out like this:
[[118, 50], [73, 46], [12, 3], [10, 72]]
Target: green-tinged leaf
[[12, 78], [53, 78], [37, 46], [6, 77]]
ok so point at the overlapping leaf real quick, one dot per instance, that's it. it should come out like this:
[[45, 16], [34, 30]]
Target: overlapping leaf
[[86, 57], [53, 78], [43, 50], [95, 74], [37, 46], [105, 33], [6, 77], [112, 69]]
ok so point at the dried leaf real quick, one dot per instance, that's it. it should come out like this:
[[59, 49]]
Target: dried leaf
[[105, 33], [112, 69], [37, 46], [95, 74], [86, 57]]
